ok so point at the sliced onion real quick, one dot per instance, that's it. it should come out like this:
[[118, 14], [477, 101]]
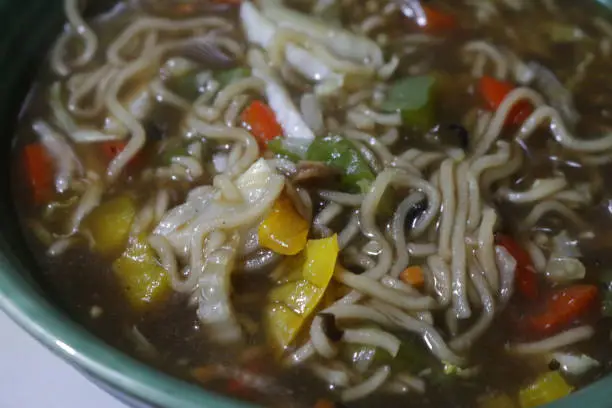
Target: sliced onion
[[565, 269]]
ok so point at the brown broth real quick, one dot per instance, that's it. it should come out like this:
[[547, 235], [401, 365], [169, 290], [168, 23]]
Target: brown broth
[[79, 279]]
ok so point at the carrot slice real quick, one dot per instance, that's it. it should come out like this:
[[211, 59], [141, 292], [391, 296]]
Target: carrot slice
[[438, 21], [113, 148], [495, 91], [563, 307], [413, 276], [39, 171], [259, 119], [324, 403], [526, 279]]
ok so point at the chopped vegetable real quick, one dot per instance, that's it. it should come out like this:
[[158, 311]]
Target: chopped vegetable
[[228, 76], [111, 149], [258, 29], [526, 279], [343, 43], [323, 403], [547, 388], [205, 374], [308, 65], [237, 388], [564, 33], [575, 364], [438, 21], [497, 400], [109, 224], [565, 269], [291, 148], [341, 154], [292, 303], [563, 307], [215, 309], [414, 98], [284, 230], [495, 91], [144, 280], [39, 171], [260, 120], [413, 276], [286, 113], [186, 85]]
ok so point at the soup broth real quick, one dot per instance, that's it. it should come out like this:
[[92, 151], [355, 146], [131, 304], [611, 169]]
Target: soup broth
[[344, 203]]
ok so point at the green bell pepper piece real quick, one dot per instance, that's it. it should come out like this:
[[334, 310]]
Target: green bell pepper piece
[[414, 98], [227, 77], [335, 151]]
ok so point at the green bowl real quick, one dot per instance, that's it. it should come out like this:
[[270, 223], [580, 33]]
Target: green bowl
[[27, 28]]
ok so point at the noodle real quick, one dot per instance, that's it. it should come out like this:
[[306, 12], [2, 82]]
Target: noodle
[[558, 341]]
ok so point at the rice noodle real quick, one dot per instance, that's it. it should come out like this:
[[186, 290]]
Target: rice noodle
[[374, 289], [368, 386], [78, 26], [397, 232], [373, 337], [465, 340], [555, 342], [506, 265], [430, 335], [460, 302]]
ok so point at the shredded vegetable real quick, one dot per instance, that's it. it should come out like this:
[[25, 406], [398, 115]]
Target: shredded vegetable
[[342, 42], [575, 364]]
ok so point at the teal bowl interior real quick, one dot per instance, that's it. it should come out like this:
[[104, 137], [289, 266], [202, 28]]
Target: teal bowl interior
[[27, 28]]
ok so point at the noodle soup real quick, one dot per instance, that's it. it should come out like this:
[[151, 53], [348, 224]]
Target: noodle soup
[[331, 203]]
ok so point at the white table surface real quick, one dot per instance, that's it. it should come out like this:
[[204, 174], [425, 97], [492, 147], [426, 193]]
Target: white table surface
[[32, 377]]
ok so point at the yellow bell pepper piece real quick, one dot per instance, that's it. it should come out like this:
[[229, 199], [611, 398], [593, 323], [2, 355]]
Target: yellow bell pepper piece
[[283, 325], [144, 281], [321, 255], [497, 400], [109, 224], [300, 296], [545, 389], [292, 303], [284, 230]]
